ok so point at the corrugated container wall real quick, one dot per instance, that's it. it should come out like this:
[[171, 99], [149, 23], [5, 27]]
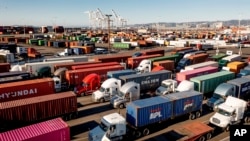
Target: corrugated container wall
[[4, 67], [69, 65], [26, 89], [50, 130], [94, 65]]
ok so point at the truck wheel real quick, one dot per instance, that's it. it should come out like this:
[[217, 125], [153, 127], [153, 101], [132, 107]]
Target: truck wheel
[[247, 119], [198, 114], [192, 116], [102, 100], [209, 136], [137, 134], [121, 106], [202, 138], [226, 129], [146, 132]]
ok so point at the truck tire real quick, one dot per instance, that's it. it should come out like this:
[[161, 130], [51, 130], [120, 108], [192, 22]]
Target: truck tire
[[102, 100], [198, 114], [192, 116], [121, 106], [209, 136], [247, 119], [137, 134], [202, 138], [146, 132]]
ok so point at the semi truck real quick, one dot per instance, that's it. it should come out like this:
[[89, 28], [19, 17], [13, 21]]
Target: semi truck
[[191, 60], [27, 88], [186, 75], [236, 66], [206, 84], [147, 82], [239, 88], [171, 86], [193, 53], [231, 112], [148, 64], [89, 84], [43, 69], [134, 62], [224, 61], [144, 114]]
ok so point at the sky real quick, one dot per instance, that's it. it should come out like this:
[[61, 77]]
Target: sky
[[72, 12]]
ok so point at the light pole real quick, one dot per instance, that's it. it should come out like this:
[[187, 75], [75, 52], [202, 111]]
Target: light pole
[[108, 16], [240, 52]]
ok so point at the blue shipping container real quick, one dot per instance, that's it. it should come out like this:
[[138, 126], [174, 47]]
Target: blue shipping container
[[147, 111], [185, 102], [117, 74], [152, 110]]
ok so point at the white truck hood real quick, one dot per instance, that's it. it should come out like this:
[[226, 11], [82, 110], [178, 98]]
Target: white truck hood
[[220, 120], [98, 94], [96, 134]]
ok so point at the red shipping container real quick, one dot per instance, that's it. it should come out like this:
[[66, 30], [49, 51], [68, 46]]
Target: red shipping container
[[186, 75], [166, 64], [30, 110], [51, 130], [112, 58], [134, 62], [75, 77], [4, 67], [94, 65], [154, 51], [70, 64], [25, 89]]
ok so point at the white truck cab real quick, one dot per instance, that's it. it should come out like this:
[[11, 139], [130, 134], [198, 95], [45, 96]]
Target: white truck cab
[[112, 125], [108, 89], [130, 91], [170, 86], [145, 66], [230, 112]]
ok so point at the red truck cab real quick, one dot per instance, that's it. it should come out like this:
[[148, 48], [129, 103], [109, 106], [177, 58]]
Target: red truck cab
[[90, 83]]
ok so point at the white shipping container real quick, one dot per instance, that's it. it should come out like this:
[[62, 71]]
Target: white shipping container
[[75, 58], [201, 65]]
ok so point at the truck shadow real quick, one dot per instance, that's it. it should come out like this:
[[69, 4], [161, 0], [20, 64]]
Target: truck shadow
[[92, 111], [84, 127]]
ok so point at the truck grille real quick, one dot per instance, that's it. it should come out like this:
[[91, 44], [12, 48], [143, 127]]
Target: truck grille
[[215, 120]]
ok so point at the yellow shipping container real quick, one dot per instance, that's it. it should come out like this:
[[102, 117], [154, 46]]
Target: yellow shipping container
[[236, 66]]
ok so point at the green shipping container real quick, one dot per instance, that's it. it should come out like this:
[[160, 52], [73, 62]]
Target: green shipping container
[[206, 84], [41, 42], [174, 58], [223, 63], [218, 57], [33, 41], [122, 45]]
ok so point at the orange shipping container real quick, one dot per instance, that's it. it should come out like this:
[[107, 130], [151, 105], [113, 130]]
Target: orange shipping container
[[236, 66], [166, 64], [198, 58]]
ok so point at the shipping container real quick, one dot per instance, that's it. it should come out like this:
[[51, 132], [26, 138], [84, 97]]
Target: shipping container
[[174, 58], [236, 66], [148, 81], [117, 74], [50, 130], [13, 76], [4, 67], [113, 58], [154, 51], [31, 110], [94, 65], [217, 57], [148, 111], [180, 49], [198, 58], [75, 58], [166, 64], [200, 65], [186, 75], [122, 45], [243, 87], [25, 89], [206, 84], [69, 64], [75, 77], [133, 62], [36, 69]]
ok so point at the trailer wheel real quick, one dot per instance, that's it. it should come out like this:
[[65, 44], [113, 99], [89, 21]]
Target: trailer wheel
[[121, 106], [102, 100], [146, 132], [202, 138], [192, 116], [247, 119], [209, 136], [198, 114], [137, 134]]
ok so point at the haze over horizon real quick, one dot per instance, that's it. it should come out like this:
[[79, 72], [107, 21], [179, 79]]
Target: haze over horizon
[[72, 12]]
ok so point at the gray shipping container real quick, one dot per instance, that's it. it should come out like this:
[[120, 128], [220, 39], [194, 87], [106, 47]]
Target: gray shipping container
[[243, 87], [148, 81], [143, 112]]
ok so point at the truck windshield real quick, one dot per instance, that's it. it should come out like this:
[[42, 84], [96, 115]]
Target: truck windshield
[[223, 112], [103, 126], [164, 85], [102, 89]]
